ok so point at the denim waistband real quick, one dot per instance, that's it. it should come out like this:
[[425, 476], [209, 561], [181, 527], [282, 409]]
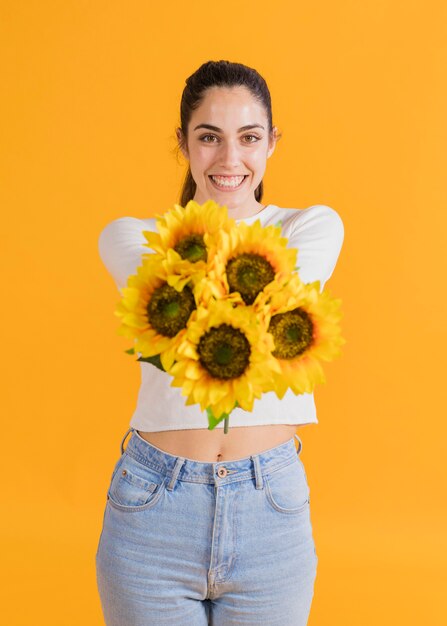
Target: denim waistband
[[181, 468]]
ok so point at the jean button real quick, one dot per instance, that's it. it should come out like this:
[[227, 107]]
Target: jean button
[[222, 472]]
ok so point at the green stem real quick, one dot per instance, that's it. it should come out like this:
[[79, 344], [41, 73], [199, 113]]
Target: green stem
[[227, 419]]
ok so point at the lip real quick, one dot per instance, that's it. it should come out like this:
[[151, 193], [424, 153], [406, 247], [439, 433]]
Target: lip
[[226, 190]]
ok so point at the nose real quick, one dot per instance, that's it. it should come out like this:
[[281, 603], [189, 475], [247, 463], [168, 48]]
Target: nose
[[230, 155]]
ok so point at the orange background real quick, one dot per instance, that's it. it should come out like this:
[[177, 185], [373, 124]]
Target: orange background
[[90, 103]]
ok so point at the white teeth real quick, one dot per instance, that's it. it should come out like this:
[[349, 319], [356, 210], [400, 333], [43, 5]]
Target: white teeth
[[228, 181]]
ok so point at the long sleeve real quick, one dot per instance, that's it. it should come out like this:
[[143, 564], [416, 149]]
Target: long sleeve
[[318, 233], [121, 246]]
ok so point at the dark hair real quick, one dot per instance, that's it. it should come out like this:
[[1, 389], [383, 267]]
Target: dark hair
[[219, 74]]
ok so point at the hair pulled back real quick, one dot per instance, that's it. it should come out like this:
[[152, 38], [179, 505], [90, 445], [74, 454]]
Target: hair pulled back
[[219, 74]]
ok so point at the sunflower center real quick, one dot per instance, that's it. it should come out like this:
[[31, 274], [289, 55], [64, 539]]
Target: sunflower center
[[292, 333], [224, 351], [249, 273], [169, 310], [192, 248]]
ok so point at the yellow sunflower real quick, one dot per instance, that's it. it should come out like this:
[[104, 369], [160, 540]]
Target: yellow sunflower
[[187, 239], [305, 325], [224, 358], [154, 313], [212, 288], [249, 258]]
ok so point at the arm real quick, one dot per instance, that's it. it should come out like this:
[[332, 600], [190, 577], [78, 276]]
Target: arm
[[318, 234], [121, 246]]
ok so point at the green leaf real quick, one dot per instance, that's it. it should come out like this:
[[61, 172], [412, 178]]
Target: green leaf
[[155, 360], [130, 351], [213, 420]]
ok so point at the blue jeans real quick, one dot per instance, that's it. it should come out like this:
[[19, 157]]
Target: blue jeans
[[188, 543]]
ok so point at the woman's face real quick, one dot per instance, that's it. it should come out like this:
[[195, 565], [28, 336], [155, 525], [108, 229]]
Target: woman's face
[[228, 150]]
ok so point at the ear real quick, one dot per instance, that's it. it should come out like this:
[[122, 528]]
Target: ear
[[184, 149], [272, 142]]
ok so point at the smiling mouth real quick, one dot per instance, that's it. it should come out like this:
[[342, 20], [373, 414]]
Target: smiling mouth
[[228, 182]]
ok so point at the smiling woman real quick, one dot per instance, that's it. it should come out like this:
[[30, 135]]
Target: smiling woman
[[233, 110], [193, 515]]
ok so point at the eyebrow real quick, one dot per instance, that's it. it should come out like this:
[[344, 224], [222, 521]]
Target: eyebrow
[[219, 130]]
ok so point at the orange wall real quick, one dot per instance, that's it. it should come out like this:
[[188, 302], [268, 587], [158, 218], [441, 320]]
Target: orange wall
[[89, 107]]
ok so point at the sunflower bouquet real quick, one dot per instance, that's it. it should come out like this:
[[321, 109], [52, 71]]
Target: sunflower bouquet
[[220, 307]]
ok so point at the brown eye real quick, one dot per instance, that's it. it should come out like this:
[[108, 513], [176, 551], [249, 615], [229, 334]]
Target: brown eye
[[204, 136]]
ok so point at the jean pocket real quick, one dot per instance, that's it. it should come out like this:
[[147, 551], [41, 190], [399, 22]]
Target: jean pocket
[[134, 486], [287, 490]]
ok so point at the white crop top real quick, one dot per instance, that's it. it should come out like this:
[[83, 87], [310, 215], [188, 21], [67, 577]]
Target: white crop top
[[317, 232]]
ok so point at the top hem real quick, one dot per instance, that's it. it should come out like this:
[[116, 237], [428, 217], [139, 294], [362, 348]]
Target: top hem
[[150, 427]]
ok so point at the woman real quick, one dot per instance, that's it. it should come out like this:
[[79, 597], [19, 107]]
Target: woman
[[202, 526]]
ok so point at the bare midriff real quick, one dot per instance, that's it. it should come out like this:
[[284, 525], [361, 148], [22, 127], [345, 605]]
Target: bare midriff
[[211, 446]]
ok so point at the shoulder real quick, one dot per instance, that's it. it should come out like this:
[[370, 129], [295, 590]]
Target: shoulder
[[321, 211], [126, 226], [318, 217]]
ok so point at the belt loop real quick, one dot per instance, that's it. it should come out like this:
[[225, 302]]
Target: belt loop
[[124, 438], [301, 444], [258, 472], [177, 467]]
